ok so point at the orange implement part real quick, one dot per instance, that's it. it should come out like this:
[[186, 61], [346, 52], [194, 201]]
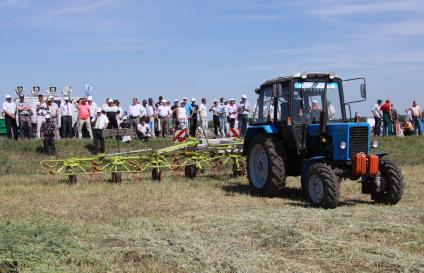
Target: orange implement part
[[359, 164], [374, 165]]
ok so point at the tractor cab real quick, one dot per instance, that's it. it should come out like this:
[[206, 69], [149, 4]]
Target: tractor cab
[[308, 112], [300, 121]]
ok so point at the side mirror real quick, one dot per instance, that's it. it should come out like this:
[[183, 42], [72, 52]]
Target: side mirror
[[363, 91]]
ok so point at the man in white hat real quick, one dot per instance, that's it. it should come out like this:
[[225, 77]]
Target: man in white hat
[[9, 113], [67, 110], [47, 135], [100, 122], [111, 111], [243, 115]]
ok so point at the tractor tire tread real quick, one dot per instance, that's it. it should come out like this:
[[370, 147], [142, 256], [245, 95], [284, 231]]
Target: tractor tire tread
[[331, 185], [394, 183]]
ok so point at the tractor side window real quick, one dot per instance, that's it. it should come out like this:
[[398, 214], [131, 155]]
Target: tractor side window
[[283, 103], [264, 110], [268, 105]]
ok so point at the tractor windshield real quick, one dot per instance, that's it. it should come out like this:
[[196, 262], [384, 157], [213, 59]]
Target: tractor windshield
[[309, 99]]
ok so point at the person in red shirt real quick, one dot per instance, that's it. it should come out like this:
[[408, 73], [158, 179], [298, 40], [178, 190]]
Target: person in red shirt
[[386, 108], [84, 117]]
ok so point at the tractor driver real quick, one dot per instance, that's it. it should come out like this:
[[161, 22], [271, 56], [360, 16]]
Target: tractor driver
[[315, 111]]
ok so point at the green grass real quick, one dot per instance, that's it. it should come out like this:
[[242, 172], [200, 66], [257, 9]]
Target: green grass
[[210, 224], [405, 150]]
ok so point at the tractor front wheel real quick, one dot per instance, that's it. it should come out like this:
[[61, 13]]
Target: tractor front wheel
[[392, 178], [322, 186]]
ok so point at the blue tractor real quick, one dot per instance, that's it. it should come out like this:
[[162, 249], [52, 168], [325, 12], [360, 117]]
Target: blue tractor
[[300, 128]]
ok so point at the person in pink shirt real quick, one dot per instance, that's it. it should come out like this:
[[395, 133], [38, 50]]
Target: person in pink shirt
[[232, 112], [84, 117]]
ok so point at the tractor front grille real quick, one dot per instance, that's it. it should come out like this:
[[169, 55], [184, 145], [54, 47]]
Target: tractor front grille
[[358, 140]]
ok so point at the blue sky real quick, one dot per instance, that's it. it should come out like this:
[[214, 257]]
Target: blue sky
[[127, 48]]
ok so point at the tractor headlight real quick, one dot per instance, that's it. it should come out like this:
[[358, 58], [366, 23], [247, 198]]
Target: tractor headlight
[[343, 145], [374, 144]]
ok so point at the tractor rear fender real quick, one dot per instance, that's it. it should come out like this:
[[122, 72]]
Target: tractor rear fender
[[268, 130]]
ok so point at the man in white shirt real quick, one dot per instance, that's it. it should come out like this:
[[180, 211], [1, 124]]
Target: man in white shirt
[[182, 116], [93, 106], [416, 115], [378, 117], [100, 122], [203, 114], [66, 112], [143, 130], [9, 113], [135, 113], [164, 114], [41, 109], [53, 111], [243, 115]]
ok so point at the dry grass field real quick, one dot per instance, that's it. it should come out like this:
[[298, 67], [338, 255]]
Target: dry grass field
[[210, 224]]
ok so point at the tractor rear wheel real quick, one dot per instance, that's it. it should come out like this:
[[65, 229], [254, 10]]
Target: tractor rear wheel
[[266, 166], [322, 186], [393, 180]]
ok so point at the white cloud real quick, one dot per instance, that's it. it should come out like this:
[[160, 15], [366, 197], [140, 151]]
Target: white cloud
[[76, 7], [368, 7], [403, 28]]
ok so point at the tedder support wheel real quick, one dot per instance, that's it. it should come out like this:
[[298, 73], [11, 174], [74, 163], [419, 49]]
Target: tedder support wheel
[[393, 181], [190, 171], [322, 186], [116, 177], [266, 166], [72, 180], [157, 175], [239, 172]]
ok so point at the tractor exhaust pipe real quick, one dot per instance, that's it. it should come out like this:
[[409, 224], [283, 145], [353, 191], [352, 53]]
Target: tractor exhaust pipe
[[323, 118]]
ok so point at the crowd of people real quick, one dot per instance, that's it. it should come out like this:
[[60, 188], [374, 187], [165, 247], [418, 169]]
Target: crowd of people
[[49, 120], [386, 119]]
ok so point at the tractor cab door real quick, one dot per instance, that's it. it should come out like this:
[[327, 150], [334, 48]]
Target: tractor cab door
[[263, 110]]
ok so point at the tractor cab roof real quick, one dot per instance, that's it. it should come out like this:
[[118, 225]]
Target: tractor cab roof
[[301, 75]]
